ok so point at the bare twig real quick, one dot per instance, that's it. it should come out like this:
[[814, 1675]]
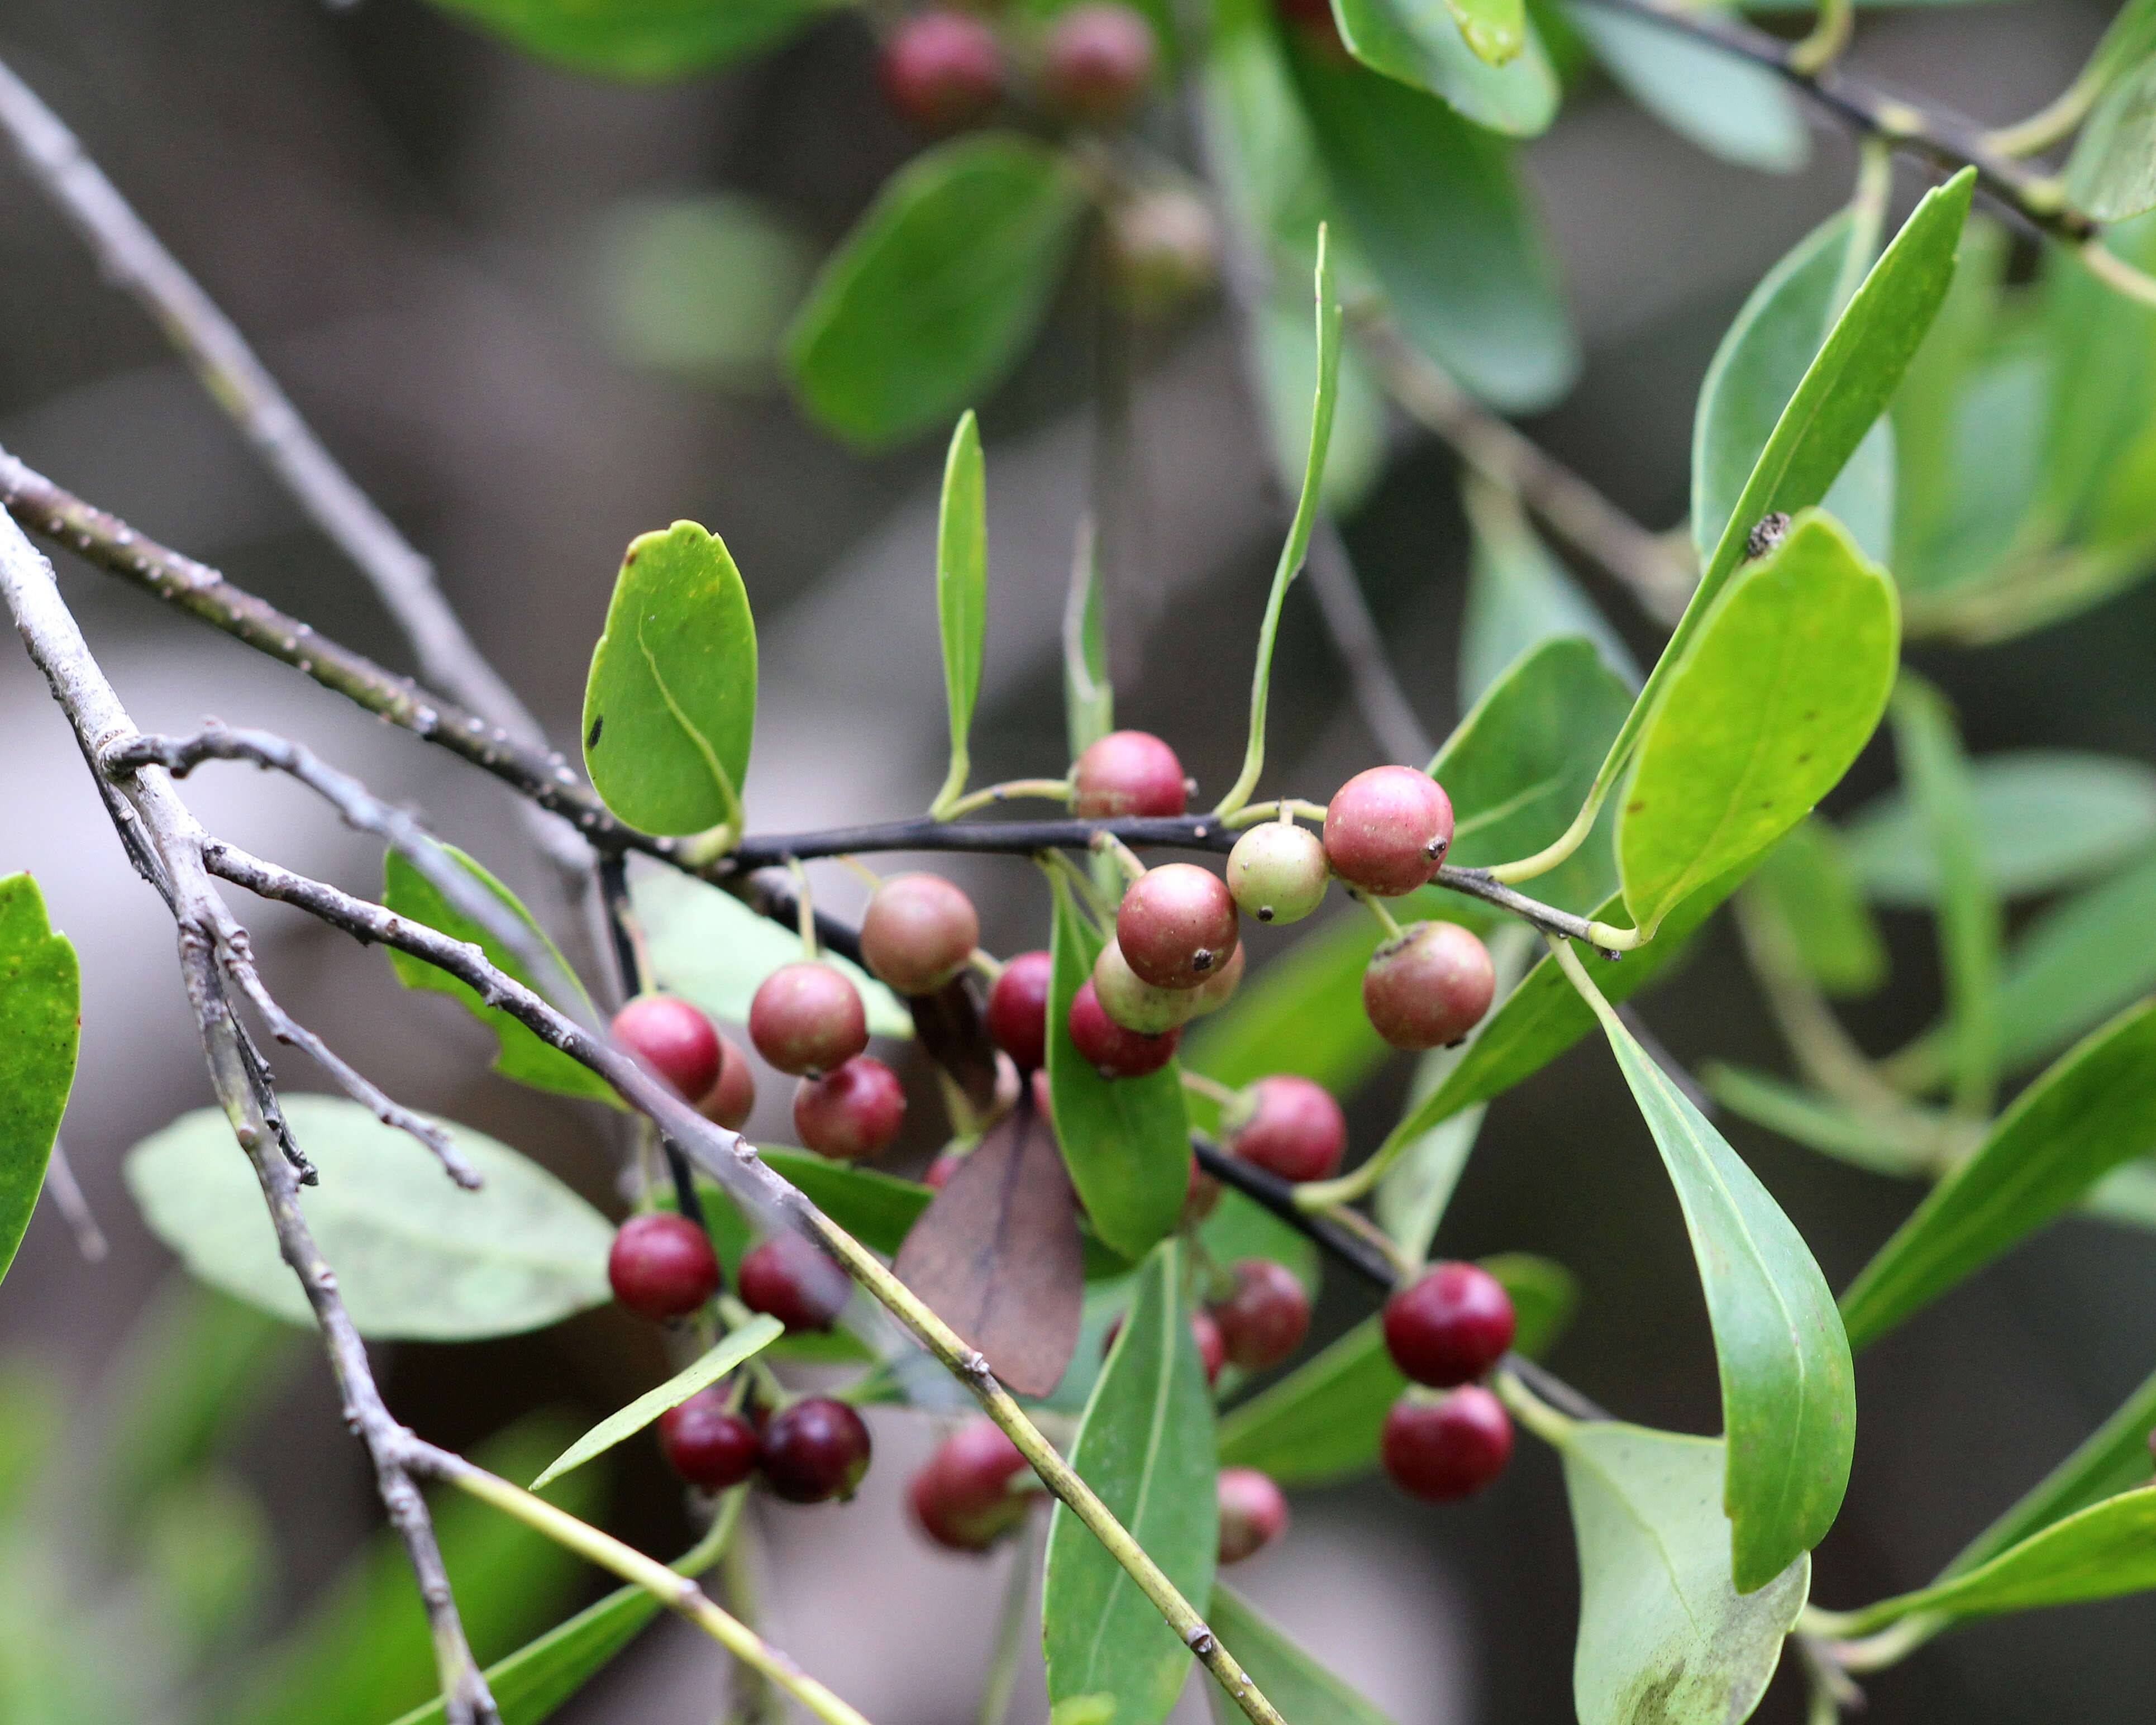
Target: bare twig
[[1383, 703], [66, 1194]]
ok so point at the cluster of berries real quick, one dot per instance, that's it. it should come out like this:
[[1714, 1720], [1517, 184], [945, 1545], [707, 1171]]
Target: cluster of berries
[[942, 68], [1446, 1331]]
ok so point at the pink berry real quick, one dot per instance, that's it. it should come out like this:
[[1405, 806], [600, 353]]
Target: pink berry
[[1018, 1009], [918, 932], [942, 68], [1212, 1348], [1107, 1046], [962, 1497], [807, 1017], [1446, 1451], [1429, 987], [814, 1450], [1176, 925], [1097, 61], [706, 1443], [937, 1174], [790, 1280], [675, 1040], [1450, 1326], [1386, 830], [851, 1111], [729, 1102], [1289, 1125], [1264, 1320], [661, 1265], [1253, 1513], [1127, 772]]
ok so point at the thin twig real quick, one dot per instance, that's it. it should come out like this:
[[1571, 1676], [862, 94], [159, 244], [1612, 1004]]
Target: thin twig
[[66, 1194], [1379, 696]]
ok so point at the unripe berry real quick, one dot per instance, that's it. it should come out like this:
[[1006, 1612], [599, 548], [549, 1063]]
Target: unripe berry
[[1450, 1326], [729, 1102], [1253, 1513], [1097, 61], [1135, 1003], [1107, 1046], [1288, 1125], [853, 1112], [1163, 249], [675, 1040], [807, 1017], [1176, 925], [818, 1449], [942, 68], [1445, 1450], [790, 1280], [1386, 830], [706, 1443], [1127, 772], [918, 932], [1429, 987], [1277, 872], [661, 1265], [1264, 1320], [1018, 1009], [961, 1496]]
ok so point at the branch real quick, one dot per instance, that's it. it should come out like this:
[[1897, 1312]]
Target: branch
[[1386, 710]]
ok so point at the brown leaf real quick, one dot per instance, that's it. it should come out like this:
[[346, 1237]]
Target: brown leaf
[[950, 1027], [996, 1255]]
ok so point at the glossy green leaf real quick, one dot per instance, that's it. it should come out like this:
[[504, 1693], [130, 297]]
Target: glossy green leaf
[[1126, 1140], [1495, 30], [2069, 970], [417, 1257], [1807, 882], [2095, 1109], [640, 39], [1819, 1122], [520, 1054], [1782, 685], [1520, 596], [670, 706], [534, 1681], [1144, 1445], [40, 1024], [1663, 1636], [2112, 173], [961, 591], [1412, 1197], [938, 288], [1418, 43], [1728, 106], [1293, 1682], [1287, 374]]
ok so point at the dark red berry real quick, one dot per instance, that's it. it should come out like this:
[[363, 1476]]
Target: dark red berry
[[675, 1040], [1212, 1350], [849, 1112], [1278, 872], [1253, 1513], [1106, 1045], [706, 1443], [918, 932], [662, 1265], [1443, 1451], [814, 1450], [1136, 1004], [1386, 830], [794, 1282], [1097, 61], [1431, 986], [1288, 1125], [808, 1018], [942, 68], [1127, 772], [1018, 1009], [729, 1102], [1176, 925], [1264, 1320], [1450, 1326], [962, 1497]]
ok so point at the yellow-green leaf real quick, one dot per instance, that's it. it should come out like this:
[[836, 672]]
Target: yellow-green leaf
[[40, 1023], [961, 591]]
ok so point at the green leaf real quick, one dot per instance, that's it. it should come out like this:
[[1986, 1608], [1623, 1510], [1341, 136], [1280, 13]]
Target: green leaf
[[1817, 1122], [1418, 43], [417, 1257], [1144, 1445], [1287, 375], [534, 1681], [640, 39], [2095, 1109], [2112, 173], [1726, 106], [1433, 203], [1293, 1682], [1242, 1227], [1520, 596], [751, 1339], [207, 1556], [1412, 1197], [670, 706], [936, 291], [1663, 1636], [1807, 882], [2070, 971], [1781, 687], [40, 1024], [700, 285], [1495, 30], [962, 591], [1302, 1013], [519, 1053], [2098, 345]]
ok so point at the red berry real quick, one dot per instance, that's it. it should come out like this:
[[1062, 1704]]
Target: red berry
[[1386, 830], [1136, 1004], [794, 1282], [818, 1449], [1176, 925], [1212, 1350], [1264, 1320], [963, 1496], [807, 1017], [1253, 1513], [937, 1174], [942, 68], [1117, 1053], [1278, 872], [729, 1101], [1446, 1451], [1429, 987], [918, 932], [850, 1113], [707, 1444], [1450, 1327], [1018, 1009], [1290, 1127], [1127, 772], [662, 1265], [675, 1040], [1097, 61]]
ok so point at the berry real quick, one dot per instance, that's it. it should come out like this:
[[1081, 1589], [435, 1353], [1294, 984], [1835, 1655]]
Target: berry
[[662, 1265], [1445, 1450], [937, 1174], [807, 1017], [1450, 1327], [1097, 61], [675, 1040], [1288, 1125], [942, 68], [1212, 1350], [1278, 872], [729, 1101], [962, 1497], [1264, 1320], [1253, 1513], [1217, 989], [818, 1449], [1176, 925], [1018, 1009], [1163, 249], [918, 932], [1135, 1003], [707, 1444], [1106, 1045], [1386, 830], [1315, 23], [1429, 987], [852, 1111], [793, 1281], [1127, 772]]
